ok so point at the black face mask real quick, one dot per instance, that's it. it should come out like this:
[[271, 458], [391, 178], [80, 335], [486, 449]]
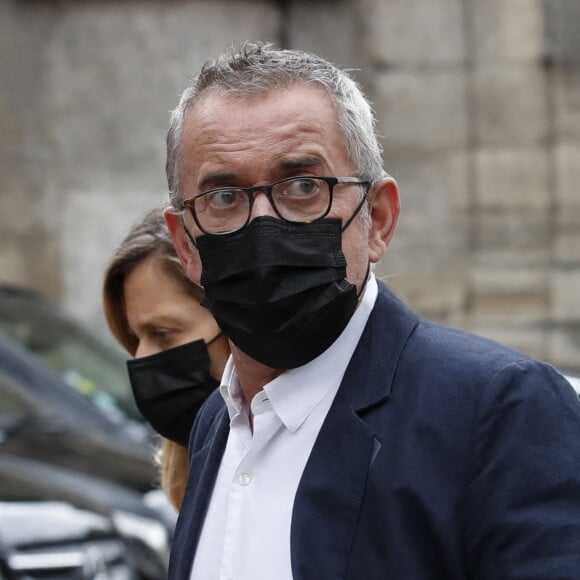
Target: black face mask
[[170, 387], [278, 289]]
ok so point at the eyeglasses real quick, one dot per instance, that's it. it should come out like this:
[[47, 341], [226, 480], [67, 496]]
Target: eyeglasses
[[295, 199]]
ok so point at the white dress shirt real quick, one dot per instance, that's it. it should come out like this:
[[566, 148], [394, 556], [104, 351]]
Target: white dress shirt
[[246, 532]]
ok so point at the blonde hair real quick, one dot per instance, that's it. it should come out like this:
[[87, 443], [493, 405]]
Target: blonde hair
[[173, 470], [149, 238]]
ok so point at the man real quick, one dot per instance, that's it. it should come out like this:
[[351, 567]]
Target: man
[[350, 439]]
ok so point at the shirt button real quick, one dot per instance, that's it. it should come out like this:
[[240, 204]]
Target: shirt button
[[245, 478]]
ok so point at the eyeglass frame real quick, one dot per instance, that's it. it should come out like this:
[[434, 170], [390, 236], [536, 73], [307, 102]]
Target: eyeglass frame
[[267, 188]]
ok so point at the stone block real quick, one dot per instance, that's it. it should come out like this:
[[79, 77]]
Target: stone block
[[32, 262], [14, 267], [568, 176], [512, 235], [418, 112], [563, 347], [326, 30], [529, 340], [93, 224], [507, 295], [566, 218], [510, 106], [507, 30], [413, 32], [512, 178], [565, 84], [429, 239], [439, 296], [29, 204], [565, 295], [507, 280], [561, 26], [433, 184], [567, 248], [504, 309]]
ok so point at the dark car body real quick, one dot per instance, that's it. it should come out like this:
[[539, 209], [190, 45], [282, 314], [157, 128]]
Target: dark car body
[[59, 444], [40, 453], [43, 418], [86, 364]]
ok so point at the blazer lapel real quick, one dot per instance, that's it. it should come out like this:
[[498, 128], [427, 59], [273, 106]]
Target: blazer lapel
[[332, 488], [203, 468], [328, 499]]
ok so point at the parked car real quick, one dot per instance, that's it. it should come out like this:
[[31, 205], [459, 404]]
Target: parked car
[[47, 453], [56, 541], [70, 432], [45, 419], [87, 364], [84, 381]]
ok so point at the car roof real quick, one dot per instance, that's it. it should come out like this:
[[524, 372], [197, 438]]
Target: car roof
[[574, 381]]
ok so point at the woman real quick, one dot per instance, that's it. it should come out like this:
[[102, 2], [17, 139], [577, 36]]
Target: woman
[[154, 311]]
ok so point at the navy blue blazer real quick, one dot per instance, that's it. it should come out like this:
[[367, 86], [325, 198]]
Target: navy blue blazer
[[443, 457]]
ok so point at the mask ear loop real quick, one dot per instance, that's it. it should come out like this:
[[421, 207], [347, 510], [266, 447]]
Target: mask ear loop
[[364, 285], [218, 335], [186, 230], [349, 221], [357, 210]]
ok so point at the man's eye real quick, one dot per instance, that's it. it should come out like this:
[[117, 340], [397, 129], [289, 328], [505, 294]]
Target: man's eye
[[303, 187], [224, 198]]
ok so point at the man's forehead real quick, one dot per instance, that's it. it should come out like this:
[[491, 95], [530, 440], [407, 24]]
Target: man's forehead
[[212, 98], [293, 129]]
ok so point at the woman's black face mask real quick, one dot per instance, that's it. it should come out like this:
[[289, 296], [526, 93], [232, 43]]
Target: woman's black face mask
[[170, 387]]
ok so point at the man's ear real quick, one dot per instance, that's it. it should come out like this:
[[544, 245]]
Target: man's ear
[[384, 211], [187, 254]]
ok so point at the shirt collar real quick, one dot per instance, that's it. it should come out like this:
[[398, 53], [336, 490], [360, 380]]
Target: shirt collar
[[231, 390], [296, 392]]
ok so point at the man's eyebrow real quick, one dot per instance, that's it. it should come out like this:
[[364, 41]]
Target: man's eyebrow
[[305, 162], [216, 179], [229, 179]]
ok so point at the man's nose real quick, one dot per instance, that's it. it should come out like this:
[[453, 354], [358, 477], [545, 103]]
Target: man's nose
[[262, 205]]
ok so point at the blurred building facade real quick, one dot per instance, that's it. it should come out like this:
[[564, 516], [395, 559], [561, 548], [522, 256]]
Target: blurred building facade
[[478, 103]]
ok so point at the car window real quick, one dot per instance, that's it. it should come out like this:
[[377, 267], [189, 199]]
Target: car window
[[14, 403], [86, 363], [18, 410]]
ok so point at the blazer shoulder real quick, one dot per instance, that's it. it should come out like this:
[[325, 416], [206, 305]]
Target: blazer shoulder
[[452, 360], [431, 351], [460, 354]]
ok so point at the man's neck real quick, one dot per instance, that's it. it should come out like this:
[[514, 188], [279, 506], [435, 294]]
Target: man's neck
[[252, 374]]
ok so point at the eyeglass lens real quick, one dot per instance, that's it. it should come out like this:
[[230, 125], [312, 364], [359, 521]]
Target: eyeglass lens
[[301, 199]]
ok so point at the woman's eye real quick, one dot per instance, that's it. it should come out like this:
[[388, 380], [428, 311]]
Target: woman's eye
[[162, 335]]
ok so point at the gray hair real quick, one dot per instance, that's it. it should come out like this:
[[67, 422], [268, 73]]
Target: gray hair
[[257, 68]]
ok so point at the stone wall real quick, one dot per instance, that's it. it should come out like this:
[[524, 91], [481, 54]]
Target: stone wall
[[478, 102]]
